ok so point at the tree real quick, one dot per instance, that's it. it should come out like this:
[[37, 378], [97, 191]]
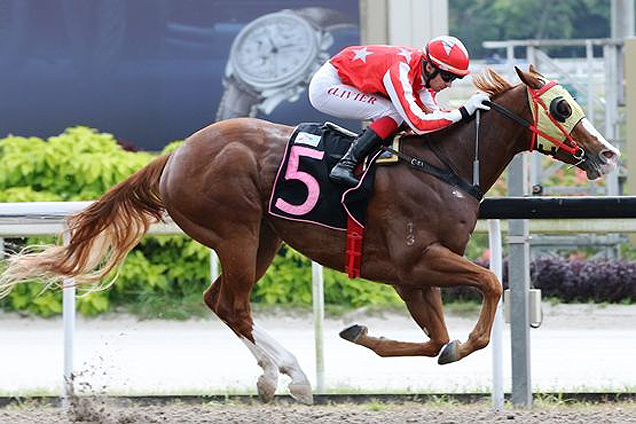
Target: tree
[[475, 21]]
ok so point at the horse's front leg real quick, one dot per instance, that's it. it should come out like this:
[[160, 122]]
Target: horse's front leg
[[425, 306], [447, 269]]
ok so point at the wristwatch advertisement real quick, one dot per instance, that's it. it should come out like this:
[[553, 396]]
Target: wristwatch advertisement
[[273, 58]]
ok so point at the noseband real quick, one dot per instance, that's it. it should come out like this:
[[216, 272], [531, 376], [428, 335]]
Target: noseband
[[568, 144]]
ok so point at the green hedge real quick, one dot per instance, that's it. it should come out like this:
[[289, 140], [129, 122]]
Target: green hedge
[[82, 164]]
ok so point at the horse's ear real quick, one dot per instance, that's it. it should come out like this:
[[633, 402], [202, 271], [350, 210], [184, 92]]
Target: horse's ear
[[533, 70], [529, 78]]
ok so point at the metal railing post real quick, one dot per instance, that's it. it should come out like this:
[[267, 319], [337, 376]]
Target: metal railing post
[[319, 318], [589, 54], [214, 266], [497, 391], [68, 319]]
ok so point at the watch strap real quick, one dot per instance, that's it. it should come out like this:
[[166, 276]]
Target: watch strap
[[237, 101], [323, 18]]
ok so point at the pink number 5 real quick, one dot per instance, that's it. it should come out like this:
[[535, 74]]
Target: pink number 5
[[292, 173]]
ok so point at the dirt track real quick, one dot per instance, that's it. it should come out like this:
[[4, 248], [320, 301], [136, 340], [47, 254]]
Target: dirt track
[[444, 413]]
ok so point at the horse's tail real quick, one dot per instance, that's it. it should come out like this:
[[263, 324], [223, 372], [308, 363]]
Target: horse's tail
[[100, 236]]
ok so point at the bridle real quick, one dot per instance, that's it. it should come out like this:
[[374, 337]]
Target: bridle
[[451, 176], [567, 144], [570, 145]]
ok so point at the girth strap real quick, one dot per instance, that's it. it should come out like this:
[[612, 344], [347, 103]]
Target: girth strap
[[446, 175]]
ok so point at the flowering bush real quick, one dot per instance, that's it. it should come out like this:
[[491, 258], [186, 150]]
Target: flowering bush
[[580, 280]]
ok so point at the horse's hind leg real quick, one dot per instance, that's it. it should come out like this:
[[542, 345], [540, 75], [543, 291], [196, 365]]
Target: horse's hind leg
[[222, 298], [425, 306]]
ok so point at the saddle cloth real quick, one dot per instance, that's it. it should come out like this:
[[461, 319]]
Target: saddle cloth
[[302, 189]]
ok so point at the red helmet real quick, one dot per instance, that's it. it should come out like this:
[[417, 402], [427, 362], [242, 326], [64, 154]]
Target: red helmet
[[449, 54]]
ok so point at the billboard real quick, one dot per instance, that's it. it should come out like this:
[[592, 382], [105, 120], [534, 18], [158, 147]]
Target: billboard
[[154, 71]]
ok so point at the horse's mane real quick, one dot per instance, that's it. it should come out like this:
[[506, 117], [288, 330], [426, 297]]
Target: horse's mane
[[491, 82]]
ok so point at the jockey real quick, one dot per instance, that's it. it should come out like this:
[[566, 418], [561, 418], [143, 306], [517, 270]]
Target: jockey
[[390, 85]]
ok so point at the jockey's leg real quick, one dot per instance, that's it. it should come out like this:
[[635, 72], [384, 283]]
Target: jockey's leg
[[342, 173], [365, 143], [330, 95]]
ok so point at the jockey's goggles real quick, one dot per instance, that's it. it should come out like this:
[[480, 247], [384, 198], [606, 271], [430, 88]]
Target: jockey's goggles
[[447, 76]]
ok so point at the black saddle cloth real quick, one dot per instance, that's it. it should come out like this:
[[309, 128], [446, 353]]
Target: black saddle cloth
[[302, 189]]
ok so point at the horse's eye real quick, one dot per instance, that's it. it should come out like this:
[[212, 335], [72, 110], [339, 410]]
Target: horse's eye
[[560, 109]]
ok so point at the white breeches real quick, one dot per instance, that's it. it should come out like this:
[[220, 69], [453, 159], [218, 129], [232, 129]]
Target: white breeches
[[331, 96]]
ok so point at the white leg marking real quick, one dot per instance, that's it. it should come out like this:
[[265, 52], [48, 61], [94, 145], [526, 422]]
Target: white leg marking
[[299, 388], [268, 382]]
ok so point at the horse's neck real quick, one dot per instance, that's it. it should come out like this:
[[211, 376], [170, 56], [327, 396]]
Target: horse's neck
[[500, 139]]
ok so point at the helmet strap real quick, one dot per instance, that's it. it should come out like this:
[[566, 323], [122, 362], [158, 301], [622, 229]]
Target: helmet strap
[[428, 77]]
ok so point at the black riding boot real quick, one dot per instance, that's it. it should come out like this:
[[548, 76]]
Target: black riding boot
[[342, 173]]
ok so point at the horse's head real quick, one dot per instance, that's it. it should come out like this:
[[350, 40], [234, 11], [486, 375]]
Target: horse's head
[[560, 121]]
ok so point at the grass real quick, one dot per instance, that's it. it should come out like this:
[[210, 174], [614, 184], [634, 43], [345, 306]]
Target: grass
[[375, 405], [29, 393]]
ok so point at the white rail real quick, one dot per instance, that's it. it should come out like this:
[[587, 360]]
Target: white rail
[[47, 219]]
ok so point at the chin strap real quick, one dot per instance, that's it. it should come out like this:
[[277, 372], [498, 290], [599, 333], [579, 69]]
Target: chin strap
[[428, 77]]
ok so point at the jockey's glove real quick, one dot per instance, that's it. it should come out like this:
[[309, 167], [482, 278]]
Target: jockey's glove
[[474, 103]]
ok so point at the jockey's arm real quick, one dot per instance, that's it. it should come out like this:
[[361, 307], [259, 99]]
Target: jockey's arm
[[400, 92]]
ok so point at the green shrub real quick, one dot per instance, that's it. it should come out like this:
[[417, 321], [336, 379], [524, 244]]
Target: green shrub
[[288, 281], [79, 164]]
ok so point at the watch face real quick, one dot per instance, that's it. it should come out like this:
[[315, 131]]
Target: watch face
[[274, 50]]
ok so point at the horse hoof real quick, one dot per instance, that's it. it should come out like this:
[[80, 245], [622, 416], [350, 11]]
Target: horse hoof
[[265, 389], [450, 353], [352, 333], [302, 393]]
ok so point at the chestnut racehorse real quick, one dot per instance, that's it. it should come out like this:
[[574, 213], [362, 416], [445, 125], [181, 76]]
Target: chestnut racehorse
[[217, 188]]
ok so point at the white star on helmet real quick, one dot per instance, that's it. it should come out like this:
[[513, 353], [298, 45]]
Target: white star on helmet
[[448, 44]]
